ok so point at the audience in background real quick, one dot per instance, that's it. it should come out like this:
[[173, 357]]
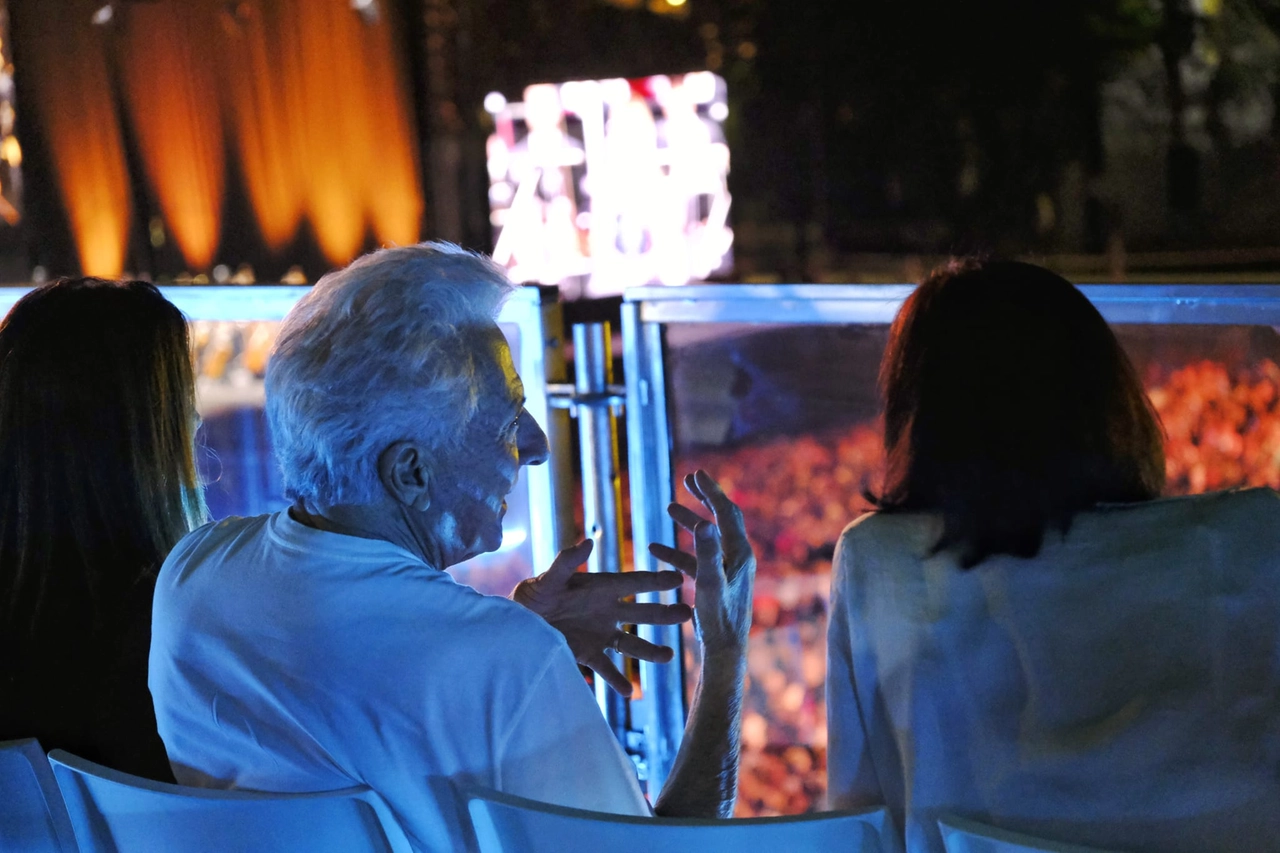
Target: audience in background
[[97, 483], [1024, 634]]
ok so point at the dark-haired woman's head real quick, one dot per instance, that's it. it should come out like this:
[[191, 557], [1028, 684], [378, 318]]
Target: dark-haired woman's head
[[1009, 407], [97, 421]]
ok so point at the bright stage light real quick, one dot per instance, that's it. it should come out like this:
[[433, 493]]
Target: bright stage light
[[494, 103], [601, 185]]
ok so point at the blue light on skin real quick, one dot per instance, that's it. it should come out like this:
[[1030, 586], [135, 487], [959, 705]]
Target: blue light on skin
[[448, 507]]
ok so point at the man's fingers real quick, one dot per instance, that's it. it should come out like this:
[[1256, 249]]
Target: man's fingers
[[698, 487], [686, 563], [654, 614], [604, 668], [710, 556], [568, 560], [617, 585], [725, 510], [691, 486], [683, 516], [632, 646]]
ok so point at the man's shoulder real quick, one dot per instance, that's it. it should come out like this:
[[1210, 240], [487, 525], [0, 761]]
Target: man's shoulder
[[206, 540], [226, 529], [493, 619], [457, 636]]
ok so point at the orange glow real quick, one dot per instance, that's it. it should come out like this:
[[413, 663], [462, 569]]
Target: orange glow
[[325, 78], [171, 89], [311, 97], [320, 117], [357, 131], [352, 129], [393, 202], [260, 115], [68, 66]]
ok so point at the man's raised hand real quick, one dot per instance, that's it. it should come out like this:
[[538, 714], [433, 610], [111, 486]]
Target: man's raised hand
[[724, 566], [591, 608]]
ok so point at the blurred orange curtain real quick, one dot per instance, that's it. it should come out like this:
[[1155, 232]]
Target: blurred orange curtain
[[321, 61], [393, 197], [357, 149], [65, 57], [263, 115], [169, 62]]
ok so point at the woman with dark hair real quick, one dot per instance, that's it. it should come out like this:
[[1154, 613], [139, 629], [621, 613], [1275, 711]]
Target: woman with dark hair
[[1024, 634], [97, 483]]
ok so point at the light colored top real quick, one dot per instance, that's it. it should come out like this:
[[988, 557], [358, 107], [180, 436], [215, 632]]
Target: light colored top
[[1121, 689], [285, 658]]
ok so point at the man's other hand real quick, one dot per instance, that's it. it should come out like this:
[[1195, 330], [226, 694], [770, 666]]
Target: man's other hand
[[724, 567], [591, 608]]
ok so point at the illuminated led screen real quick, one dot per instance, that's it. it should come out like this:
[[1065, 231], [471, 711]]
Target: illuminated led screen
[[600, 185]]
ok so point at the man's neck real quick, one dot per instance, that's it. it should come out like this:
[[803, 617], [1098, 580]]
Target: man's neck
[[388, 523]]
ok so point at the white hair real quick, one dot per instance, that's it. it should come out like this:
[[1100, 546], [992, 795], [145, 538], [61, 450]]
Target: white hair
[[378, 352]]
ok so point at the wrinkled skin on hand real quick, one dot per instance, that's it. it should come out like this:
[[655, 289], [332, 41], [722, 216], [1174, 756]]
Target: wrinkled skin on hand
[[704, 777], [724, 567], [590, 609]]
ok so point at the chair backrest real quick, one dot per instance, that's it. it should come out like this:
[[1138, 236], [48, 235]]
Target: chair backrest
[[967, 836], [33, 818], [508, 824], [113, 812]]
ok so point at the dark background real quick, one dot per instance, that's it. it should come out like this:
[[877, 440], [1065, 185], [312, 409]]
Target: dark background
[[1103, 137]]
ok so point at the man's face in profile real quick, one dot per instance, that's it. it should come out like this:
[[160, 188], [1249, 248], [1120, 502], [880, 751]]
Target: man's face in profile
[[474, 478]]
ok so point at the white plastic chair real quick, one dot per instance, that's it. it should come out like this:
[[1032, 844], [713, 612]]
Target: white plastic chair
[[507, 824], [114, 812], [33, 818], [967, 836]]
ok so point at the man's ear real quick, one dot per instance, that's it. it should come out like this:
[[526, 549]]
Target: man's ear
[[405, 472]]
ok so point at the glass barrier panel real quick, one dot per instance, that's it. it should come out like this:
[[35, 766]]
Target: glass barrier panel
[[787, 418]]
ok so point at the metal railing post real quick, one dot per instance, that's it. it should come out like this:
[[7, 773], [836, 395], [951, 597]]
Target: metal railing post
[[594, 400]]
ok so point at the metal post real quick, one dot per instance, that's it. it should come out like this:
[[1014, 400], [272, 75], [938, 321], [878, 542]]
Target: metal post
[[659, 715], [601, 504]]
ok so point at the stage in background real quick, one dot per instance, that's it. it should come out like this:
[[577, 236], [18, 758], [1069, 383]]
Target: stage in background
[[600, 185]]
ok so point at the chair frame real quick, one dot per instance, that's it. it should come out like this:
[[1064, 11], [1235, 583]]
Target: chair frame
[[55, 807], [470, 793], [396, 839]]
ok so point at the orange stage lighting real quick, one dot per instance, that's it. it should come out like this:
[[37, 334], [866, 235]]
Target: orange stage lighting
[[66, 60], [392, 196], [262, 116], [315, 102], [171, 89], [353, 130]]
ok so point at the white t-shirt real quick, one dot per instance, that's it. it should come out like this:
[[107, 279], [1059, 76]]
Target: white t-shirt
[[1121, 689], [285, 658]]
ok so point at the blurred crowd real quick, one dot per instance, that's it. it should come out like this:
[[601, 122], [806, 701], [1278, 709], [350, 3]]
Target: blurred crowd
[[1222, 431]]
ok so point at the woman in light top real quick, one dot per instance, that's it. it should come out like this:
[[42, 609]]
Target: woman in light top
[[1024, 633]]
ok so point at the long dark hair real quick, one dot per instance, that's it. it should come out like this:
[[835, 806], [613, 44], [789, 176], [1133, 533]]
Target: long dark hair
[[1009, 407], [97, 472]]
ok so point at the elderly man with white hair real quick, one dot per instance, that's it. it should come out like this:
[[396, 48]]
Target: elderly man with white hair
[[324, 646]]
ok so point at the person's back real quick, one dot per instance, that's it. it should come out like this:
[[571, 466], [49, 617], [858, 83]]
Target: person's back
[[286, 658], [97, 482], [82, 687], [1120, 689]]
